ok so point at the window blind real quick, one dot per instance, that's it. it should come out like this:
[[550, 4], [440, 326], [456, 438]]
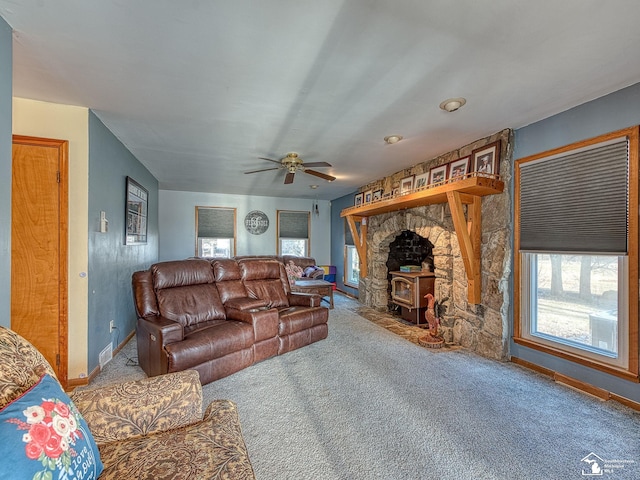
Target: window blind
[[348, 238], [577, 201], [215, 222], [293, 224]]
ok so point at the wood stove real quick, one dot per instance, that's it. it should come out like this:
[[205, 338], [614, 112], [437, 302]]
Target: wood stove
[[408, 290]]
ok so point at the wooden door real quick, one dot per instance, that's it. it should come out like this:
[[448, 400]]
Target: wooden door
[[39, 247]]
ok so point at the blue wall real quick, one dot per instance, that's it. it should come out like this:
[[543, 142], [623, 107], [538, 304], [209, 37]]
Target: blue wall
[[337, 240], [111, 262], [6, 69], [613, 112]]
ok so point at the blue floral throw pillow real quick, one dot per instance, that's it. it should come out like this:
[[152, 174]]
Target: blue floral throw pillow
[[44, 437]]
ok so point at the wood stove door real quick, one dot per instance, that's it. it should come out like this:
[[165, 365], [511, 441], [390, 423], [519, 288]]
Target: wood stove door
[[402, 292]]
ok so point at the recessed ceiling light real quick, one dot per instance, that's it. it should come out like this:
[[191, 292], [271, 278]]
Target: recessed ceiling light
[[313, 187], [391, 139], [452, 104]]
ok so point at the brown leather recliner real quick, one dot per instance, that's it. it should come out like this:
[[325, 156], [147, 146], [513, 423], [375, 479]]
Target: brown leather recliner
[[301, 319], [220, 317]]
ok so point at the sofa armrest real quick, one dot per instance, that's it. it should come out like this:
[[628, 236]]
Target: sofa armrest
[[264, 321], [143, 407], [304, 299], [164, 330], [245, 303], [152, 335]]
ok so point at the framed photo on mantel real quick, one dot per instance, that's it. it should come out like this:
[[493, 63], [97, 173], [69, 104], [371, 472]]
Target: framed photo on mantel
[[486, 160]]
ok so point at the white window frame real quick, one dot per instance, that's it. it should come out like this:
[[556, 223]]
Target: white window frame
[[347, 265], [306, 245], [200, 241], [529, 308]]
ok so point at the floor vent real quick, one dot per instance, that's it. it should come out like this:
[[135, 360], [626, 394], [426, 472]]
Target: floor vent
[[105, 355]]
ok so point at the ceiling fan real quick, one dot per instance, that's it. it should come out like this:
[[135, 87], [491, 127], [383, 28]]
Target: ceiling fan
[[293, 163]]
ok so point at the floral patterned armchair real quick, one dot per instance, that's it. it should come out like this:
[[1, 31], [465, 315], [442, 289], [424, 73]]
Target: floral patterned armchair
[[146, 429]]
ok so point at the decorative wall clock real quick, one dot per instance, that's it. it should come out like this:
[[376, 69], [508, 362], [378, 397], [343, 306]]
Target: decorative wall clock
[[256, 222]]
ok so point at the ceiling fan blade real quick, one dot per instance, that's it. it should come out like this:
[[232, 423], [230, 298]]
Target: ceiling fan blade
[[274, 161], [289, 178], [317, 164], [329, 178], [263, 170]]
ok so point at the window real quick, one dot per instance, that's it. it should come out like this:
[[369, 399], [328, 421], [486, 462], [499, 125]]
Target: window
[[293, 233], [215, 232], [351, 266], [576, 237], [351, 259], [575, 301]]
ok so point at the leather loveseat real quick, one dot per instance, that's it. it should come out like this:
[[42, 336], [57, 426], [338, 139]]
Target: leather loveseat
[[220, 316]]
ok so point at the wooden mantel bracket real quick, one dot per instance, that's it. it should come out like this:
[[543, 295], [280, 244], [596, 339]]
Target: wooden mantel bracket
[[469, 232], [360, 240]]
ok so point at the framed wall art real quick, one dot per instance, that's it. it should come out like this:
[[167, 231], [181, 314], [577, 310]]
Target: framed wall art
[[368, 196], [406, 184], [486, 160], [459, 168], [357, 199], [136, 208], [438, 175], [377, 195]]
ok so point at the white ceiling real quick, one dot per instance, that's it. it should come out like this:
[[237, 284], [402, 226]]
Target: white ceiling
[[198, 90]]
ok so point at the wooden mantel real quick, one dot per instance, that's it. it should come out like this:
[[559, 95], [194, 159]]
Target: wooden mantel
[[467, 191]]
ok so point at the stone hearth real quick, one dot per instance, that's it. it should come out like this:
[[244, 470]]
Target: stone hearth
[[483, 327]]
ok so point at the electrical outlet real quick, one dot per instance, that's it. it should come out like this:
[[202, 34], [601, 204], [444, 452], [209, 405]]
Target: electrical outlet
[[112, 325]]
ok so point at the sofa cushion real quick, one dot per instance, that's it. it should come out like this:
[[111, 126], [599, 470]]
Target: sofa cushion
[[179, 273], [219, 338], [141, 408], [296, 319], [212, 449], [264, 280], [228, 280], [44, 436], [190, 305]]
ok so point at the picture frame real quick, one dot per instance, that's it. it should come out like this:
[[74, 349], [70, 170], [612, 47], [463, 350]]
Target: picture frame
[[421, 181], [136, 207], [438, 175], [486, 160], [458, 169], [358, 199], [368, 196], [406, 184], [377, 195]]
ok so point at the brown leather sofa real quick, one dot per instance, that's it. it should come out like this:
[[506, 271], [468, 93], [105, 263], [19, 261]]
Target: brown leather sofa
[[220, 316]]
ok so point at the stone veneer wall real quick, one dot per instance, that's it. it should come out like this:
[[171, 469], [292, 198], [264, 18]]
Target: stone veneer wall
[[481, 328]]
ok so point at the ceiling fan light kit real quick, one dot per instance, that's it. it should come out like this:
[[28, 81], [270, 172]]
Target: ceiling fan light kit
[[292, 163]]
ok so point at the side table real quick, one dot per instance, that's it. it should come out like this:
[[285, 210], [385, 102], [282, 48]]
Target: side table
[[319, 287]]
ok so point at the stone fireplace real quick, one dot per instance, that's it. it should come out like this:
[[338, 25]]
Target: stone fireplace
[[408, 248], [479, 327]]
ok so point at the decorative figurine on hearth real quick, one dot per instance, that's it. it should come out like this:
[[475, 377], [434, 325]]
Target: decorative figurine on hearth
[[431, 339]]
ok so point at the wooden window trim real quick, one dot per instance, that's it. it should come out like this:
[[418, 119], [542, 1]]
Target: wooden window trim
[[631, 373]]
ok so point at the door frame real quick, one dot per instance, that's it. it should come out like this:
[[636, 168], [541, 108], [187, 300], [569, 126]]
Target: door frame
[[63, 245]]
